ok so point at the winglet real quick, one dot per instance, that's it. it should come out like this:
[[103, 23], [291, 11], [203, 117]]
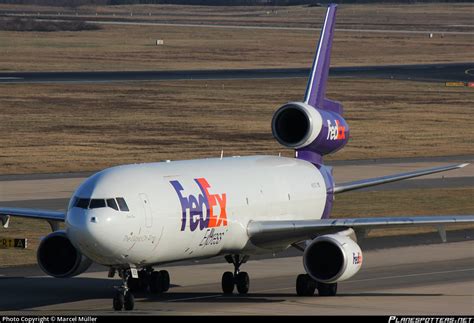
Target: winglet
[[316, 88]]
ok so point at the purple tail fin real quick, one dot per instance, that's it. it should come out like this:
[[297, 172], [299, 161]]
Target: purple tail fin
[[316, 88]]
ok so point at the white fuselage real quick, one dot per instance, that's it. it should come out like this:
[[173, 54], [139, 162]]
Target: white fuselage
[[191, 209]]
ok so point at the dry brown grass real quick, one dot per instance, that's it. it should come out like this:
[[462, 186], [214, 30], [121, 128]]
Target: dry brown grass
[[357, 204], [385, 16], [65, 128], [405, 203], [132, 47]]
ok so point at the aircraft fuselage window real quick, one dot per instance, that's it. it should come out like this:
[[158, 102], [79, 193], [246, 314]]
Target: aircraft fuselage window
[[122, 204], [111, 203], [97, 203]]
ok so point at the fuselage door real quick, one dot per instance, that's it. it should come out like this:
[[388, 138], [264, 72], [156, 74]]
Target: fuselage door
[[147, 209]]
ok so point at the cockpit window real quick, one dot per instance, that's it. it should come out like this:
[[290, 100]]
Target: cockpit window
[[82, 203], [111, 203], [122, 204], [97, 203], [116, 204]]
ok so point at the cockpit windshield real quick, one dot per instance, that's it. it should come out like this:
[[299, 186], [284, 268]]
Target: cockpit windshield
[[113, 203]]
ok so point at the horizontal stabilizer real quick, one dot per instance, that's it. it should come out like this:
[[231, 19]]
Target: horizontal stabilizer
[[350, 186]]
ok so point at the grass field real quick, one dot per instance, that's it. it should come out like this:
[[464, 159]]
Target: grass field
[[357, 204], [64, 128], [384, 16], [133, 47]]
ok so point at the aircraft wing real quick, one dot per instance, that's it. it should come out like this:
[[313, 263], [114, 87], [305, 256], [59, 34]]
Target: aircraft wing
[[350, 186], [264, 233], [51, 216]]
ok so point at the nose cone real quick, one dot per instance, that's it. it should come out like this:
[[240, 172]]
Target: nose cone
[[93, 233]]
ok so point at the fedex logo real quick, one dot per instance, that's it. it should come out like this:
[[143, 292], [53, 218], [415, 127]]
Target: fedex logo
[[357, 258], [336, 132], [193, 207]]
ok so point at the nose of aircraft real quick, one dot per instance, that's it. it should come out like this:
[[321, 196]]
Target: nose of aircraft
[[93, 233]]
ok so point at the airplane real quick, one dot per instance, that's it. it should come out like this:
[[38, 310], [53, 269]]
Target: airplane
[[133, 218]]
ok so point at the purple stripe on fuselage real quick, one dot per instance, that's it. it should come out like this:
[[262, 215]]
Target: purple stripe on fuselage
[[329, 181]]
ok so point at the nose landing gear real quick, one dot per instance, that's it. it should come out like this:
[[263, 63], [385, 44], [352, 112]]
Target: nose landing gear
[[123, 298], [239, 279]]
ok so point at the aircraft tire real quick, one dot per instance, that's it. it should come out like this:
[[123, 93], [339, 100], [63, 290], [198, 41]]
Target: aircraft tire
[[156, 282], [228, 282], [129, 301], [242, 281], [305, 285], [165, 280], [327, 289], [118, 301]]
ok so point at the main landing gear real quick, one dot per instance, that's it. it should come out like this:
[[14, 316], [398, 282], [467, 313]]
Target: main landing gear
[[239, 279], [305, 286], [156, 282]]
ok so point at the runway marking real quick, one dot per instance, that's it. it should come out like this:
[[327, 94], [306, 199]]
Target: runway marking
[[469, 71], [412, 275], [192, 298], [384, 31], [381, 278]]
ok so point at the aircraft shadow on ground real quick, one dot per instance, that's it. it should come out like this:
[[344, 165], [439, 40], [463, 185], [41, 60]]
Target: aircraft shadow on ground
[[206, 297], [25, 293]]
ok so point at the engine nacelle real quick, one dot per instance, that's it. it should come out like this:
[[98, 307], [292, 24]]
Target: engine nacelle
[[57, 256], [332, 258], [298, 125]]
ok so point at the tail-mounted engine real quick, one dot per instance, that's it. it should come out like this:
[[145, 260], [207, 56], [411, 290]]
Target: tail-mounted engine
[[332, 258], [302, 127], [57, 256]]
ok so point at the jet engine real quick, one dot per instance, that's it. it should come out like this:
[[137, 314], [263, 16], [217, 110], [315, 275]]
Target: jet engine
[[332, 258], [298, 125], [57, 256]]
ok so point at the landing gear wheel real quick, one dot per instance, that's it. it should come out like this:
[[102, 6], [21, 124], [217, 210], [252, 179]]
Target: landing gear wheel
[[156, 282], [327, 289], [144, 280], [139, 284], [118, 301], [305, 285], [134, 284], [228, 282], [129, 301], [242, 281], [165, 280]]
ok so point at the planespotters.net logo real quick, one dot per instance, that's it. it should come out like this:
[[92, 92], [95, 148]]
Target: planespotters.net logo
[[421, 319]]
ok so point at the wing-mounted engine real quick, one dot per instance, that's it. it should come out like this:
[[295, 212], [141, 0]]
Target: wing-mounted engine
[[302, 127], [332, 258], [57, 256]]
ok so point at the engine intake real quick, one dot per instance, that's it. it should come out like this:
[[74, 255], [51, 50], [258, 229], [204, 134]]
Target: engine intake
[[332, 258], [298, 125], [57, 256]]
